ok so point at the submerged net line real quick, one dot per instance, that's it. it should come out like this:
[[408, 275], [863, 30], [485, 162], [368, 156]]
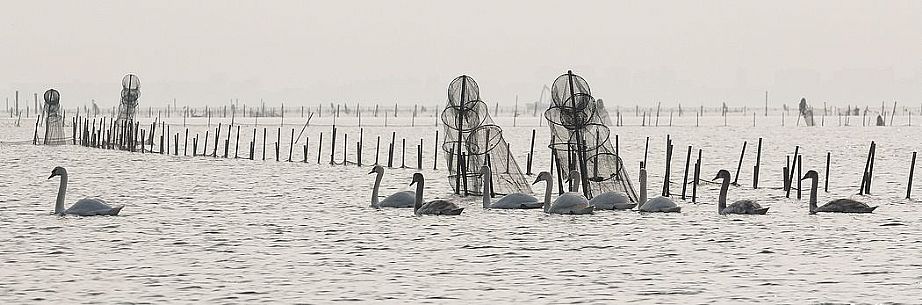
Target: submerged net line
[[472, 137], [54, 123], [580, 139]]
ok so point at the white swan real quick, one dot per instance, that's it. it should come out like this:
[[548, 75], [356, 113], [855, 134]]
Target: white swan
[[835, 206], [435, 207], [658, 204], [612, 201], [83, 207], [738, 207], [606, 200], [511, 201], [568, 203], [403, 199]]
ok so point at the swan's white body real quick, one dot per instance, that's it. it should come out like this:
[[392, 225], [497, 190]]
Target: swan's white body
[[835, 206], [511, 201], [656, 205], [403, 199], [567, 203], [612, 201], [435, 207], [517, 201], [83, 207], [739, 207]]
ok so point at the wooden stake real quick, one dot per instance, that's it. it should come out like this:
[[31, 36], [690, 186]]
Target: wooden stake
[[740, 164], [685, 179], [912, 169]]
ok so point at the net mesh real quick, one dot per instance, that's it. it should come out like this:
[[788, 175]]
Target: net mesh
[[128, 103], [472, 137], [806, 112], [54, 123], [580, 139]]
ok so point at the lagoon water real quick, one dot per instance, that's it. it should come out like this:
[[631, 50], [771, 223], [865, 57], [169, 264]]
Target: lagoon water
[[215, 230]]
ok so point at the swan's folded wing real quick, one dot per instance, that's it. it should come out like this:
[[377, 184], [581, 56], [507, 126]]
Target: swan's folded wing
[[404, 199], [516, 199], [568, 200], [89, 206]]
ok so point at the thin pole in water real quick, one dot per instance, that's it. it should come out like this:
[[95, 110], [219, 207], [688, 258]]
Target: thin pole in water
[[791, 173], [531, 153], [799, 160], [377, 150], [320, 148], [912, 168], [826, 181], [696, 178], [740, 164], [419, 155], [290, 146], [755, 169], [645, 149], [685, 179], [435, 152]]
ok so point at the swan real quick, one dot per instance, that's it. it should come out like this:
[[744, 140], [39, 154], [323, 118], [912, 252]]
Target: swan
[[83, 207], [612, 201], [403, 199], [435, 207], [511, 201], [738, 207], [835, 206], [567, 203], [658, 204]]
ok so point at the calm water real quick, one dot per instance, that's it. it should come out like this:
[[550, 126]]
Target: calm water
[[239, 231]]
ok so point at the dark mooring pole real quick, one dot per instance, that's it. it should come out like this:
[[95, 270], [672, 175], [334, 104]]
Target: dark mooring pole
[[580, 144], [460, 126]]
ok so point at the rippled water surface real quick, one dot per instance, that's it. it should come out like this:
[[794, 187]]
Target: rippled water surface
[[216, 230]]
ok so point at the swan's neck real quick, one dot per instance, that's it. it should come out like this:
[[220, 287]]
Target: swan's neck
[[486, 189], [374, 191], [419, 196], [813, 195], [62, 189], [722, 201], [547, 193], [642, 176], [575, 181]]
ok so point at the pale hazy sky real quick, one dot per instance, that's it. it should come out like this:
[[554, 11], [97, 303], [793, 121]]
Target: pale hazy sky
[[306, 52]]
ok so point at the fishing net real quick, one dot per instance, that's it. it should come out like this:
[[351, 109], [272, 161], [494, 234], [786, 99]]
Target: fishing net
[[54, 123], [580, 139], [806, 112], [473, 138], [128, 103]]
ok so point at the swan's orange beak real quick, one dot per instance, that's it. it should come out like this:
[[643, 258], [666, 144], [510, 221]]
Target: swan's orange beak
[[52, 176], [372, 171], [536, 181]]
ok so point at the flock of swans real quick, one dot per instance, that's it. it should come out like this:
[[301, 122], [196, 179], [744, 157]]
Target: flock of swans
[[571, 203], [575, 203]]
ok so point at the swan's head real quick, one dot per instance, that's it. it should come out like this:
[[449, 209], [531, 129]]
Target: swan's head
[[722, 174], [417, 177], [541, 177], [811, 174], [57, 171], [574, 176], [484, 170], [376, 170]]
